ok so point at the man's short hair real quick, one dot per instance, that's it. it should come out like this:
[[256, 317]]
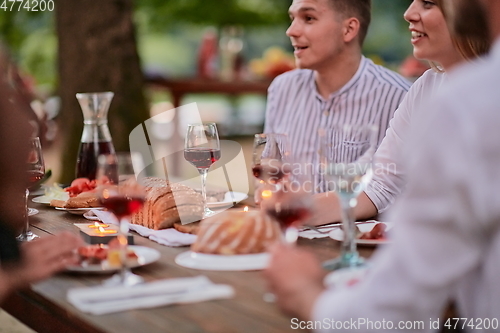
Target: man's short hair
[[360, 9]]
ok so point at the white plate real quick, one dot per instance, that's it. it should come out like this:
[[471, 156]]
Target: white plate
[[78, 211], [146, 255], [229, 199], [215, 262], [44, 199], [32, 211], [338, 234]]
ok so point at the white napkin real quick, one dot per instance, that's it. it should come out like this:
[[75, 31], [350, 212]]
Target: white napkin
[[168, 237], [362, 226], [311, 234], [104, 299]]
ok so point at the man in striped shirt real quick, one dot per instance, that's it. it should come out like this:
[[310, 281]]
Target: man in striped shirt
[[334, 83]]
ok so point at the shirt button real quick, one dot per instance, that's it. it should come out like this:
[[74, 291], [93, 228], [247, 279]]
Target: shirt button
[[325, 112]]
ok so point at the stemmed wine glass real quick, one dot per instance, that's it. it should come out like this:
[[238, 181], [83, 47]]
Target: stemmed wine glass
[[202, 149], [122, 199], [290, 204], [346, 158], [270, 152], [35, 172]]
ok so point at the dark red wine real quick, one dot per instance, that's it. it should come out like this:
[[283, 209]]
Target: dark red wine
[[267, 173], [123, 206], [288, 216], [86, 163], [202, 158], [34, 176]]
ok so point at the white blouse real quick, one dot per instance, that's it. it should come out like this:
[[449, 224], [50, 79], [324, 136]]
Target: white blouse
[[389, 170]]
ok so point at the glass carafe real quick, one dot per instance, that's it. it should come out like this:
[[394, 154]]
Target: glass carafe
[[96, 139]]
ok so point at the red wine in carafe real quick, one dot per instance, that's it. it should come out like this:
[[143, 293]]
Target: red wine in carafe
[[86, 163], [202, 158]]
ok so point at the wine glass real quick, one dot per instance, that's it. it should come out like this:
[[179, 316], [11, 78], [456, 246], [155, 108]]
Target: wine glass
[[122, 199], [202, 149], [290, 204], [346, 158], [35, 172], [270, 153]]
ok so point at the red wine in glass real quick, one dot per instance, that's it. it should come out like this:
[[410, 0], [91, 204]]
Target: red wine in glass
[[122, 206], [288, 216], [267, 173], [86, 163], [34, 176], [202, 158]]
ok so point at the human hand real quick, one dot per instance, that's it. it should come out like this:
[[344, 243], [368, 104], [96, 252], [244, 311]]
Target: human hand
[[43, 257], [296, 278]]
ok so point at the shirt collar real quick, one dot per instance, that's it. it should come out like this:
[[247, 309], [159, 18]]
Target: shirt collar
[[354, 79]]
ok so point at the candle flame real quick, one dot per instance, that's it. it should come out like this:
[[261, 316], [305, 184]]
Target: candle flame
[[245, 209], [266, 194], [96, 224], [101, 229]]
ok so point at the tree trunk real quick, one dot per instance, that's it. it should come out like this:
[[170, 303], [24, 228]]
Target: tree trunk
[[97, 52]]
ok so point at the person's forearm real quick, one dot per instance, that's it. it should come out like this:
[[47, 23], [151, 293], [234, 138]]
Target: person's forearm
[[327, 208]]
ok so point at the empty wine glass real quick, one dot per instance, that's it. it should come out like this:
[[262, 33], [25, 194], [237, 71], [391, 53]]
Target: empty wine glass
[[346, 158], [270, 152], [202, 149], [122, 199], [35, 172]]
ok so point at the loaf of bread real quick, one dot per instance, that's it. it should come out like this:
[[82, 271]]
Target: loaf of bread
[[167, 203], [236, 232], [82, 200]]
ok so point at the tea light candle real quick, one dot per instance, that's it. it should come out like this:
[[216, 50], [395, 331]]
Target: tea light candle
[[97, 225], [100, 233], [103, 231]]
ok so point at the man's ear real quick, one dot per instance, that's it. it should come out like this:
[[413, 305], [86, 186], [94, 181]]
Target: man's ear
[[351, 29]]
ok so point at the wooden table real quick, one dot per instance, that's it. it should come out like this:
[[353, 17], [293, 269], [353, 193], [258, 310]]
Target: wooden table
[[44, 307]]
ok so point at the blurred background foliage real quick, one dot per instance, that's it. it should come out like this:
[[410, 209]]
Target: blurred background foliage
[[169, 33]]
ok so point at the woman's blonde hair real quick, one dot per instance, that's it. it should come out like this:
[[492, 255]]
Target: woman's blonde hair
[[468, 27]]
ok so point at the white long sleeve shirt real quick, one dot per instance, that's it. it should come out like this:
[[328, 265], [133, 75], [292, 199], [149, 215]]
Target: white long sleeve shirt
[[294, 107], [446, 244], [389, 169]]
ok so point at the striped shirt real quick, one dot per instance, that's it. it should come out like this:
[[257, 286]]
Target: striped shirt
[[295, 108]]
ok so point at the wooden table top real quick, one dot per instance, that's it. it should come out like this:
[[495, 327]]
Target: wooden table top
[[44, 307]]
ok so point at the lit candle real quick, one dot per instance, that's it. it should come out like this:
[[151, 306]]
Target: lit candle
[[103, 231], [98, 225]]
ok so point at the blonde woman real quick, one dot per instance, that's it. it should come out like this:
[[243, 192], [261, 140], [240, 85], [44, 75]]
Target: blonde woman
[[433, 42]]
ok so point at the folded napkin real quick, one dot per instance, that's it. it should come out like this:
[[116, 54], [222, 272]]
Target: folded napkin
[[104, 299], [311, 234], [362, 226], [168, 237]]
